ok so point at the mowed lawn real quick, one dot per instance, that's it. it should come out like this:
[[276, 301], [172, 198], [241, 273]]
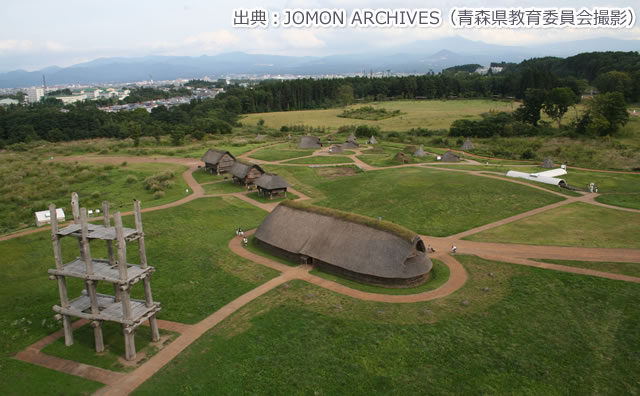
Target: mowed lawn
[[430, 202], [432, 114], [576, 224], [196, 274], [533, 331]]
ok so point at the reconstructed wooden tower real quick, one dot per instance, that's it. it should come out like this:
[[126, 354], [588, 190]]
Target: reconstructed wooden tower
[[97, 307]]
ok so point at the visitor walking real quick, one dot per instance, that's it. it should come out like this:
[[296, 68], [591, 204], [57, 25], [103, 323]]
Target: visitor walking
[[453, 248], [245, 241]]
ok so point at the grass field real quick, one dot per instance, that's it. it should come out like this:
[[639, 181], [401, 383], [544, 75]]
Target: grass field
[[432, 114], [575, 224], [202, 176], [196, 274], [439, 275], [27, 187], [262, 199], [223, 187], [532, 332], [629, 200], [631, 269], [83, 349], [320, 160], [280, 152], [429, 202]]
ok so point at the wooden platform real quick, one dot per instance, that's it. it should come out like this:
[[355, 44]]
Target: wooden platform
[[99, 232], [103, 271], [110, 309]]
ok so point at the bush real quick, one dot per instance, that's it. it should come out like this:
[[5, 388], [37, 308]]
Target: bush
[[124, 163], [158, 194], [366, 131], [95, 194], [131, 179]]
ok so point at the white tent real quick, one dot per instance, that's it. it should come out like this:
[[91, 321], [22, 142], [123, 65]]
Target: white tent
[[44, 217], [547, 177]]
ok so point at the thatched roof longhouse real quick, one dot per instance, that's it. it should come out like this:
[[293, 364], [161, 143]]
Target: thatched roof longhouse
[[360, 246], [310, 142]]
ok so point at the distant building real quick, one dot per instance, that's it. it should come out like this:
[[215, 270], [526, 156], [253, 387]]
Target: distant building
[[72, 98], [92, 93], [34, 94], [8, 102]]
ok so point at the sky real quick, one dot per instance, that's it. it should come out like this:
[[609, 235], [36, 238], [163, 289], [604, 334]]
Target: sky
[[40, 33]]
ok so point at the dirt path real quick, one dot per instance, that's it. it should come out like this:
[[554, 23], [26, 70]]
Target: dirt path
[[120, 383]]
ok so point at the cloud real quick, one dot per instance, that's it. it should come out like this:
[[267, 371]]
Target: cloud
[[302, 38], [54, 46], [15, 45], [219, 38]]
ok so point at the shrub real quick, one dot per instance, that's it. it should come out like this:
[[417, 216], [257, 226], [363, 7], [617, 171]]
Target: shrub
[[158, 194], [131, 179], [95, 194]]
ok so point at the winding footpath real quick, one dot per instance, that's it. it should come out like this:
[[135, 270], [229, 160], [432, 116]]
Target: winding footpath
[[125, 383]]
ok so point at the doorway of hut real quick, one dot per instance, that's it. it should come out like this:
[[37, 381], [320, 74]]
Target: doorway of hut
[[306, 260]]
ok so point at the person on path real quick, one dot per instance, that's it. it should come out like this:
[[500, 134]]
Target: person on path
[[453, 248], [245, 241]]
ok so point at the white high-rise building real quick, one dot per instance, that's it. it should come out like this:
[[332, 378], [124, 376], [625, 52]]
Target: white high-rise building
[[34, 94]]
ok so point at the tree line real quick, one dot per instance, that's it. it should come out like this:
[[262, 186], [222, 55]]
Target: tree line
[[552, 85]]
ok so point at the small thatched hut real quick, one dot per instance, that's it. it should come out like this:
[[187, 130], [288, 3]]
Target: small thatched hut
[[401, 158], [246, 173], [350, 144], [336, 149], [449, 156], [271, 186], [467, 145], [218, 161], [548, 163], [309, 142], [260, 138], [419, 152], [353, 246], [372, 140], [351, 137]]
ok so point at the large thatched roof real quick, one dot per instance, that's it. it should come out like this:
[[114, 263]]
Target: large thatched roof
[[449, 156], [354, 243], [548, 163], [310, 142], [420, 152], [212, 156], [241, 170], [467, 145], [271, 182]]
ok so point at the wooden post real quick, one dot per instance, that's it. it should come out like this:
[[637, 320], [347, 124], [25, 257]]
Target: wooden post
[[110, 251], [62, 282], [84, 241], [155, 332], [122, 247], [97, 335], [153, 321], [141, 246], [129, 343], [75, 211]]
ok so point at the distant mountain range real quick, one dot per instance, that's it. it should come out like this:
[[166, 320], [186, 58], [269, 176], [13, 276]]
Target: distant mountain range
[[419, 57]]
